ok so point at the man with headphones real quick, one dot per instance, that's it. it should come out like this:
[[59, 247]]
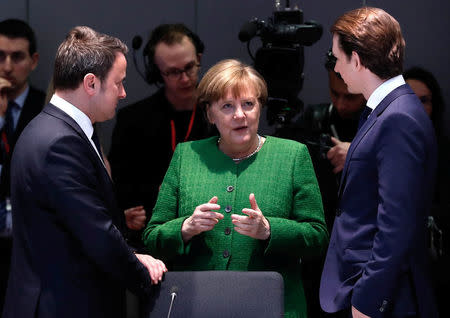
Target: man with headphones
[[147, 132]]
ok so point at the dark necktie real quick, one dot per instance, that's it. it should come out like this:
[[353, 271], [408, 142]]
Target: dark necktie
[[9, 120], [9, 132], [364, 115]]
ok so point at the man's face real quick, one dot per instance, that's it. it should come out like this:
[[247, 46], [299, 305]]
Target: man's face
[[346, 104], [111, 90], [178, 57], [16, 63], [345, 67]]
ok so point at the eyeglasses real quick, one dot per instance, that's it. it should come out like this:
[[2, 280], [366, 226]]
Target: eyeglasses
[[175, 74], [16, 57]]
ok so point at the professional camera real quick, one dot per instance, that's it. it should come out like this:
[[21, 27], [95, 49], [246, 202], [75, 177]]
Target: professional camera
[[280, 60]]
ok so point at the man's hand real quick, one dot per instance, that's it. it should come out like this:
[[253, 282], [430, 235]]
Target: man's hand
[[4, 85], [357, 314], [337, 154], [156, 268], [135, 218]]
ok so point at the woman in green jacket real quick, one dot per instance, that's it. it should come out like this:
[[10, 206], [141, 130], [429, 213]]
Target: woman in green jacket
[[240, 201]]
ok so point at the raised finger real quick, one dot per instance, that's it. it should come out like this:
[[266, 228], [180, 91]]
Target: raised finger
[[251, 213], [208, 207], [207, 222], [239, 218], [253, 203], [243, 226]]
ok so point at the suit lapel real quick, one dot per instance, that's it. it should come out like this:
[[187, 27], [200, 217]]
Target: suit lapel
[[58, 113], [32, 106], [377, 112]]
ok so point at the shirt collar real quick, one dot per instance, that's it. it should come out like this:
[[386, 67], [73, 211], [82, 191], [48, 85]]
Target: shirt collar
[[383, 90], [20, 100], [76, 114]]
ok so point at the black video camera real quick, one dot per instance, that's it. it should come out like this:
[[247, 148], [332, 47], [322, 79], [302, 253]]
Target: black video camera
[[280, 60]]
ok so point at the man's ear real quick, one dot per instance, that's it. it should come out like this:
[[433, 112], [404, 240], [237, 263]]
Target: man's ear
[[34, 60], [90, 84], [356, 61], [199, 57]]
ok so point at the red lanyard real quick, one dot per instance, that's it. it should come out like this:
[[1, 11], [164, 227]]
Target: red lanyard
[[174, 132], [5, 142]]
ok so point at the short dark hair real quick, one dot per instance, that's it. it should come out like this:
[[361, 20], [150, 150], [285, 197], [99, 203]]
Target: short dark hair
[[85, 51], [168, 34], [15, 28], [377, 38], [437, 101]]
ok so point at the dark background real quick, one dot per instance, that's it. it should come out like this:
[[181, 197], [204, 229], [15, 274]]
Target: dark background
[[425, 26]]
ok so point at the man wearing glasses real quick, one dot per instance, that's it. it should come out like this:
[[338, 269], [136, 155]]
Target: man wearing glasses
[[19, 103], [147, 132]]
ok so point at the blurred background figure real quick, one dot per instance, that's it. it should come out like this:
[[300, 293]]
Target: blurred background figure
[[426, 87], [239, 201], [147, 132], [19, 103]]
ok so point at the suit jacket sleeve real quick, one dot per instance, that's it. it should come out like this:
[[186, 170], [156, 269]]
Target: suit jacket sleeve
[[70, 186], [400, 158]]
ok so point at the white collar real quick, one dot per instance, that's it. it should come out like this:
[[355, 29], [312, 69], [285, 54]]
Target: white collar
[[75, 113], [20, 100], [383, 90]]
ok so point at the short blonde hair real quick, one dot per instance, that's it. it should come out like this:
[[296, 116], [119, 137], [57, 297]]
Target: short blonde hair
[[229, 75]]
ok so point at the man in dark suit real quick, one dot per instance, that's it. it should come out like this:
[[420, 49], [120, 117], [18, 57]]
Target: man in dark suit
[[69, 257], [19, 103], [173, 54], [377, 260]]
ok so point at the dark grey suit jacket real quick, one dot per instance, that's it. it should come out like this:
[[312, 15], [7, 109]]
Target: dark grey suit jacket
[[69, 257]]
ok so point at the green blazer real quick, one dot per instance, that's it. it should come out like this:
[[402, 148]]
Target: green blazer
[[282, 178]]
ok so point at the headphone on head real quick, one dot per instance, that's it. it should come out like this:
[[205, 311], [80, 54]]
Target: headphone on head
[[166, 33], [330, 60]]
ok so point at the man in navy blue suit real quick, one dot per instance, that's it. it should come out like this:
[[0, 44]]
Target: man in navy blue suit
[[377, 261], [69, 257]]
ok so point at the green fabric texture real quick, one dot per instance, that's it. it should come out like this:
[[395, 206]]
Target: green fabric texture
[[282, 178]]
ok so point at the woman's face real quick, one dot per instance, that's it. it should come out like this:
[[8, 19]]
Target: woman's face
[[236, 118], [423, 92]]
